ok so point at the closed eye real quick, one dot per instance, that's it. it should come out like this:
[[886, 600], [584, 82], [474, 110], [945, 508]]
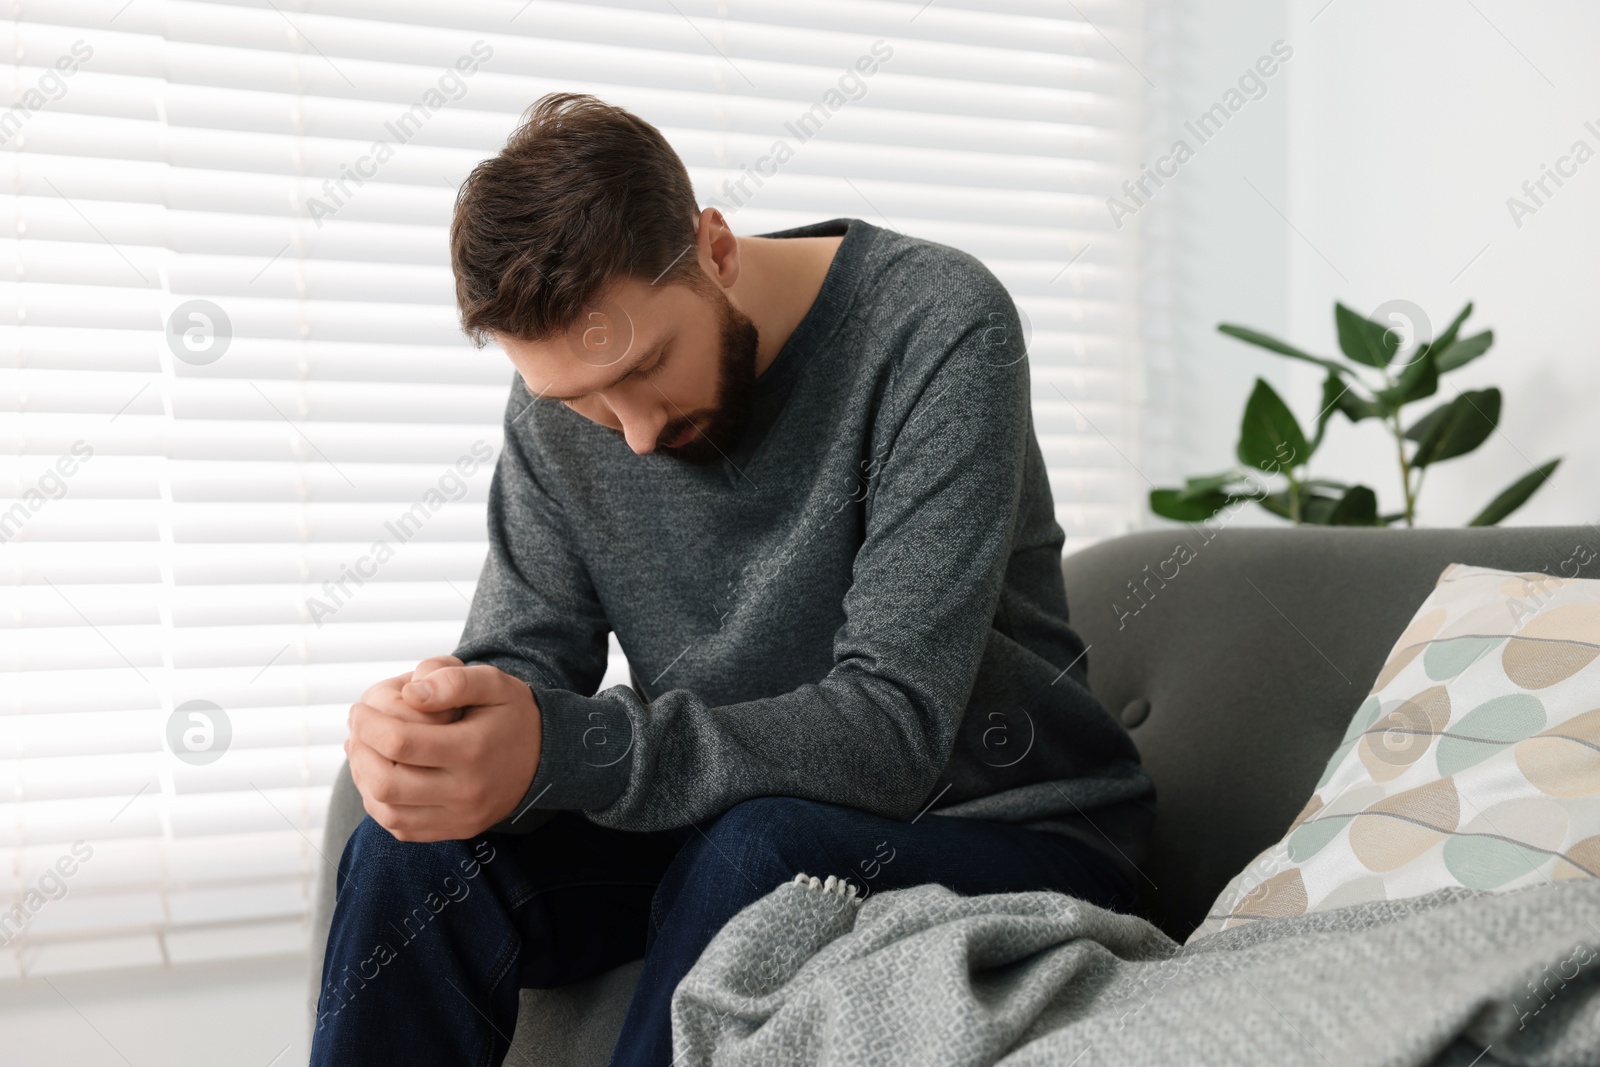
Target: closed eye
[[647, 372], [654, 368]]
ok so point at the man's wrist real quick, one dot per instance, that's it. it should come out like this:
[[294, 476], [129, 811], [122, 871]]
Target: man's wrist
[[585, 757]]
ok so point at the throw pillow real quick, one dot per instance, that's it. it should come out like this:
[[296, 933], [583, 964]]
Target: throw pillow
[[1475, 760]]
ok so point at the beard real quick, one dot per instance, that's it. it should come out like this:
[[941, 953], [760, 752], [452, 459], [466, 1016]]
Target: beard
[[726, 421]]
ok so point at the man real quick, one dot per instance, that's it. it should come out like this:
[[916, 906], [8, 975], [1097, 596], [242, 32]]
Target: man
[[796, 474]]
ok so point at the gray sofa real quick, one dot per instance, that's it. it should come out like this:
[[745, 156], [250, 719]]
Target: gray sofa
[[1235, 661]]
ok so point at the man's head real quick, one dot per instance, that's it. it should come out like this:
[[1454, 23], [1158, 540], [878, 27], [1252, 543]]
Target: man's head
[[580, 250]]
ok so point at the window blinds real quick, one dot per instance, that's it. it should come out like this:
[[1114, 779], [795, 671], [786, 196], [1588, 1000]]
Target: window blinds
[[244, 450]]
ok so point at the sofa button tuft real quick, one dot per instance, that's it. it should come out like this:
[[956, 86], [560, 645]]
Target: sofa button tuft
[[1136, 712]]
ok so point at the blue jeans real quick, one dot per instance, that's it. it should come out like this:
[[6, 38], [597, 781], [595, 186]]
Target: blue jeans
[[431, 943]]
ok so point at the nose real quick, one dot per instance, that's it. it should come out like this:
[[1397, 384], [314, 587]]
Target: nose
[[642, 420]]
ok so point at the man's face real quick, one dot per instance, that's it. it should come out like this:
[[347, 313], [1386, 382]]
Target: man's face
[[662, 366]]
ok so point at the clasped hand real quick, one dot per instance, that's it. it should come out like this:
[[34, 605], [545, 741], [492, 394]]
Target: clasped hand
[[444, 752]]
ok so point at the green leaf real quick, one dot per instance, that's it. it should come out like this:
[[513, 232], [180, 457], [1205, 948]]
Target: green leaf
[[1464, 351], [1272, 344], [1363, 340], [1419, 379], [1199, 499], [1448, 338], [1173, 504], [1424, 425], [1269, 438], [1317, 510], [1334, 387], [1193, 487], [1357, 407], [1277, 503], [1316, 500], [1515, 495], [1358, 507], [1468, 421]]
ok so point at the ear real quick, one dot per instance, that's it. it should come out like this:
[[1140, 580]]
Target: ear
[[717, 247]]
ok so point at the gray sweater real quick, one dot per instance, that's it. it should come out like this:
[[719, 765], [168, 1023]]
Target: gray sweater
[[862, 604]]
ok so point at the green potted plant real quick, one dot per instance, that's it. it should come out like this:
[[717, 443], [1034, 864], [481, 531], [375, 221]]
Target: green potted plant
[[1383, 371]]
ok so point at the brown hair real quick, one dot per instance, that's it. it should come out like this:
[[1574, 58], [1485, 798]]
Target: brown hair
[[583, 194]]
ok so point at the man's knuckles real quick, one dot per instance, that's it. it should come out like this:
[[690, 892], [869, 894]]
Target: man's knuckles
[[412, 827], [389, 744], [367, 722], [391, 819], [434, 663], [452, 687], [373, 774], [384, 788], [458, 686], [389, 689]]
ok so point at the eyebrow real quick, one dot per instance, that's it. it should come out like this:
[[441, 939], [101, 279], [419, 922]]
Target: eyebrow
[[654, 350]]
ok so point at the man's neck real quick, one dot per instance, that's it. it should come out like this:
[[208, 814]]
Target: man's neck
[[779, 278]]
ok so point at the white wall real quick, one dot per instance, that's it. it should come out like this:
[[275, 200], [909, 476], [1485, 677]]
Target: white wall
[[1214, 252], [249, 1012], [1404, 129]]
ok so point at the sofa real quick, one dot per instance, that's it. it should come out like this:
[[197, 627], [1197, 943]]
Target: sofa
[[1234, 655]]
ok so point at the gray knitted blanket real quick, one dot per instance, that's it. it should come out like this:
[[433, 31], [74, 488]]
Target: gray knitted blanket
[[810, 975]]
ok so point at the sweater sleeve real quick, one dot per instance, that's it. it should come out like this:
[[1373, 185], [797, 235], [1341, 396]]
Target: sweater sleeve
[[535, 614], [876, 731]]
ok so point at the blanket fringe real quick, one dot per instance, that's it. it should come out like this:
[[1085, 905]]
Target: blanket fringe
[[837, 886]]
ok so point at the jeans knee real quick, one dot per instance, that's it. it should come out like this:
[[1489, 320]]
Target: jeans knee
[[375, 855], [775, 836]]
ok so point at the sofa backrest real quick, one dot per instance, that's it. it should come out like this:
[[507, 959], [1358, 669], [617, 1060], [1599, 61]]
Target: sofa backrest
[[1237, 656]]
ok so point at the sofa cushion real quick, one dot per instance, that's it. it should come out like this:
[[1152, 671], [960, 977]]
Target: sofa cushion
[[1473, 762], [1236, 656]]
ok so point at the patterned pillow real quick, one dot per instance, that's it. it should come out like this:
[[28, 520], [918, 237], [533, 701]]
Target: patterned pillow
[[1475, 760]]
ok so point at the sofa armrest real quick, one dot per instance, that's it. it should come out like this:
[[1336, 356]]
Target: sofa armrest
[[573, 1026]]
